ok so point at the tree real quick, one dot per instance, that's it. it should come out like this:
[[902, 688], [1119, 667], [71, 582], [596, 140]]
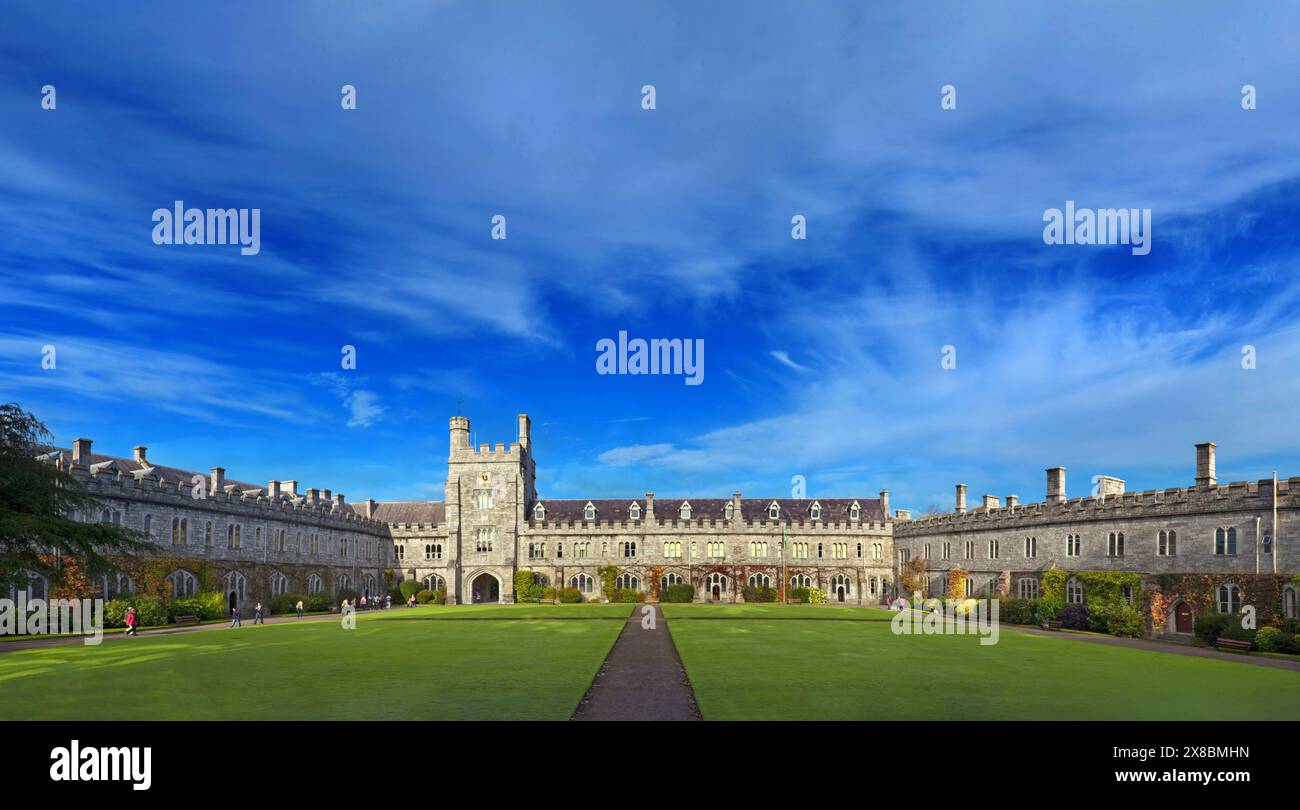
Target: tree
[[913, 577], [38, 500]]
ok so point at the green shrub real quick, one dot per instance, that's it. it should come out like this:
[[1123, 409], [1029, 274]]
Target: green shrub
[[287, 603], [1288, 643], [758, 593], [1017, 611], [317, 602], [207, 605], [348, 594], [527, 589], [681, 592], [801, 595], [548, 592], [149, 611], [1126, 621], [1267, 638], [628, 595], [409, 587], [569, 596], [1210, 626], [425, 596]]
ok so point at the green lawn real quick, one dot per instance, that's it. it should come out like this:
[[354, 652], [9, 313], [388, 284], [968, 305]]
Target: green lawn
[[430, 663], [772, 669]]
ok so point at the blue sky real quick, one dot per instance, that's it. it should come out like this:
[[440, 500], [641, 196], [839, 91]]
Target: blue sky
[[822, 355]]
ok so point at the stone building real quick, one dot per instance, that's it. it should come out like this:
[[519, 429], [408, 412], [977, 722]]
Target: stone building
[[264, 541], [1227, 532], [261, 541], [492, 523], [254, 542]]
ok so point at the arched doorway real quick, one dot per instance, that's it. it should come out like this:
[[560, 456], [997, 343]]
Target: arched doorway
[[233, 601], [1183, 620], [485, 588]]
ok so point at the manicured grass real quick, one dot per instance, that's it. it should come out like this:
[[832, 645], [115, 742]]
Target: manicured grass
[[393, 666], [690, 610], [761, 669]]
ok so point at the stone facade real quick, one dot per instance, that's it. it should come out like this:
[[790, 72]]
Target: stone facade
[[256, 542], [1243, 528], [492, 524]]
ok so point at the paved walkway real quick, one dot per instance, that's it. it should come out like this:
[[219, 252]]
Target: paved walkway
[[1173, 647], [642, 678]]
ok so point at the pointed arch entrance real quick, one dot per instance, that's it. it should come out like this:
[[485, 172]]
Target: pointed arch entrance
[[485, 588]]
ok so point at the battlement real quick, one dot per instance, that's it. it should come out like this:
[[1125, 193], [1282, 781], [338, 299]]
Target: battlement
[[1237, 496], [707, 526], [137, 479], [462, 450]]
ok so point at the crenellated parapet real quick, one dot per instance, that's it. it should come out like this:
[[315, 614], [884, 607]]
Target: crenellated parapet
[[1241, 496]]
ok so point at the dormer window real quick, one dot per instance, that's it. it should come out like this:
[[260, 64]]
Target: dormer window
[[589, 512], [686, 511], [816, 511], [855, 511], [774, 511], [729, 511], [539, 512], [634, 511]]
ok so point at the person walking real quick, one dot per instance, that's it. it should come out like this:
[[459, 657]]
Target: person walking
[[130, 621], [363, 602], [234, 618], [257, 614], [388, 601], [299, 608]]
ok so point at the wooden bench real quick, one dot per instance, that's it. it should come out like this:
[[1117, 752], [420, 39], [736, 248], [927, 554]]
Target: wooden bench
[[1052, 624], [546, 602], [1232, 644], [188, 619]]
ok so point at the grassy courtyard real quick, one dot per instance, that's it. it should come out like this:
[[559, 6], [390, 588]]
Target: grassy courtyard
[[428, 663], [750, 662]]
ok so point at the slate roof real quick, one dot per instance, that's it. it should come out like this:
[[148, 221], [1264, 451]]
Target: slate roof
[[751, 509], [173, 474], [415, 512]]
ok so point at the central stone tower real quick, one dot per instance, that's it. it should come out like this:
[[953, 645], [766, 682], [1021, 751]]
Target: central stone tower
[[489, 492]]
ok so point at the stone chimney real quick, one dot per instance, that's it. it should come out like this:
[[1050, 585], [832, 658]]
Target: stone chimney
[[737, 517], [990, 502], [339, 501], [1109, 485], [1013, 501], [1056, 485], [961, 499], [524, 428], [903, 514], [649, 506], [327, 495], [884, 503], [141, 455], [273, 489], [370, 507], [81, 452], [313, 496], [290, 487], [218, 480], [1204, 465]]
